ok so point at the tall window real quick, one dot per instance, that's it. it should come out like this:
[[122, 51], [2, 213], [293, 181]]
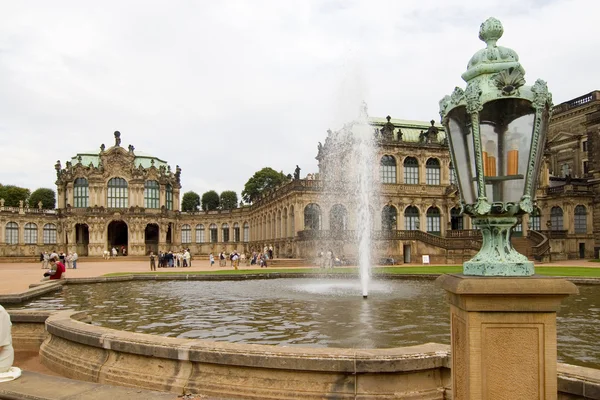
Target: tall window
[[580, 218], [12, 233], [81, 193], [225, 230], [452, 175], [433, 220], [456, 219], [556, 219], [411, 171], [118, 193], [30, 233], [338, 218], [312, 216], [200, 233], [213, 233], [236, 232], [246, 232], [169, 197], [151, 194], [387, 169], [432, 171], [535, 223], [411, 218], [186, 234], [389, 216], [49, 234]]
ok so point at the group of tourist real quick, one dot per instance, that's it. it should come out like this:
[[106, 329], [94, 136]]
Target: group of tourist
[[68, 260], [169, 259], [329, 260]]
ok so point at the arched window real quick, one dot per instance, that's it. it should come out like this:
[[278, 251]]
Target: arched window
[[213, 233], [389, 216], [49, 234], [225, 230], [186, 234], [80, 193], [236, 232], [432, 171], [580, 219], [200, 233], [338, 218], [411, 218], [535, 223], [456, 219], [169, 197], [517, 230], [118, 193], [452, 175], [30, 233], [387, 169], [433, 221], [411, 171], [12, 233], [151, 194], [556, 218], [246, 232], [312, 216]]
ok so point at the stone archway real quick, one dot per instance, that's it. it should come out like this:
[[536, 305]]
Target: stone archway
[[151, 236], [118, 236], [82, 239]]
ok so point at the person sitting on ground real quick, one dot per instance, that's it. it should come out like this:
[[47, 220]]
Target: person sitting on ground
[[57, 270], [7, 353]]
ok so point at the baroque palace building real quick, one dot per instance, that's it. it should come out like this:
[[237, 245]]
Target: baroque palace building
[[119, 197]]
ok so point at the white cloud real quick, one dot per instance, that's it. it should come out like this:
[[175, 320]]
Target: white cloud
[[225, 88]]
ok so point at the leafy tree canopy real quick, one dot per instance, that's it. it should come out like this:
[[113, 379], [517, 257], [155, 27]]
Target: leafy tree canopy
[[190, 201], [265, 179], [46, 196], [229, 200], [210, 201], [13, 194]]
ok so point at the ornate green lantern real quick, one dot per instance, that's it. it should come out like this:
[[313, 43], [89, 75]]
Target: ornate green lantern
[[497, 130]]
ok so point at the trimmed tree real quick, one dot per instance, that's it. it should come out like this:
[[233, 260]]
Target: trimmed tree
[[229, 200], [46, 196], [210, 201], [190, 201], [13, 194], [265, 179]]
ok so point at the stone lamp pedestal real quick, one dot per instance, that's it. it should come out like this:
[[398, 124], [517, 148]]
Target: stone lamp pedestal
[[504, 335]]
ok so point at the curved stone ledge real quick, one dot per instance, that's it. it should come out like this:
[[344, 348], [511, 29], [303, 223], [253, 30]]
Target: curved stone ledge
[[31, 293], [91, 353]]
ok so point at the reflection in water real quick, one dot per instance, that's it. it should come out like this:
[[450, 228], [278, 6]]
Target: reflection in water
[[302, 312]]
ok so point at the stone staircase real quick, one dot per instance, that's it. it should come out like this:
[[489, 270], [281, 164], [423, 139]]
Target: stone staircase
[[524, 246]]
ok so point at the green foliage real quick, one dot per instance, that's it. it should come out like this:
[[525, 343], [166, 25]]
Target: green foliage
[[13, 194], [46, 196], [265, 179], [190, 201], [210, 201], [229, 200]]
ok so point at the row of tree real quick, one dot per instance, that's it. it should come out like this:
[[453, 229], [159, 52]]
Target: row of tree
[[263, 180], [13, 195]]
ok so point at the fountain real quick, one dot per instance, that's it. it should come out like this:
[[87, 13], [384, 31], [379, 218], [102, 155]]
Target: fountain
[[348, 177]]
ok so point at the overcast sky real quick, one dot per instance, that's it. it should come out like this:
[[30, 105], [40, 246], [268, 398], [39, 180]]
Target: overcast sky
[[225, 88]]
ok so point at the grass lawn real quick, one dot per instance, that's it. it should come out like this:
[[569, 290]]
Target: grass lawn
[[436, 270]]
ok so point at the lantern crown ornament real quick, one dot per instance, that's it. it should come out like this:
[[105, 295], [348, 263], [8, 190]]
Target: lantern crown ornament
[[496, 130]]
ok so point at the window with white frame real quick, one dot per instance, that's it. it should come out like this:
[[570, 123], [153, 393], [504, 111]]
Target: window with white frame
[[556, 218], [411, 171], [580, 219], [49, 234], [118, 193], [81, 193], [246, 232], [411, 218], [31, 233], [213, 231], [186, 234], [11, 233], [169, 197], [236, 232], [432, 171], [535, 222], [225, 232], [387, 169], [200, 233], [151, 194], [433, 220]]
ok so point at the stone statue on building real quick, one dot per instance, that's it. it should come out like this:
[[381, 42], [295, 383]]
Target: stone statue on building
[[102, 147], [117, 138], [297, 173], [178, 174], [131, 148], [57, 167], [319, 150], [387, 132]]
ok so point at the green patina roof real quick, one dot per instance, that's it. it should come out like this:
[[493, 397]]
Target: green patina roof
[[141, 158], [410, 129]]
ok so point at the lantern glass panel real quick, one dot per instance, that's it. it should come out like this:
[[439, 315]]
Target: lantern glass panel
[[461, 139], [506, 131]]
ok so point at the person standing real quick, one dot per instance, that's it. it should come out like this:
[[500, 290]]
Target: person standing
[[114, 252], [45, 258], [74, 259], [212, 259], [152, 262]]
